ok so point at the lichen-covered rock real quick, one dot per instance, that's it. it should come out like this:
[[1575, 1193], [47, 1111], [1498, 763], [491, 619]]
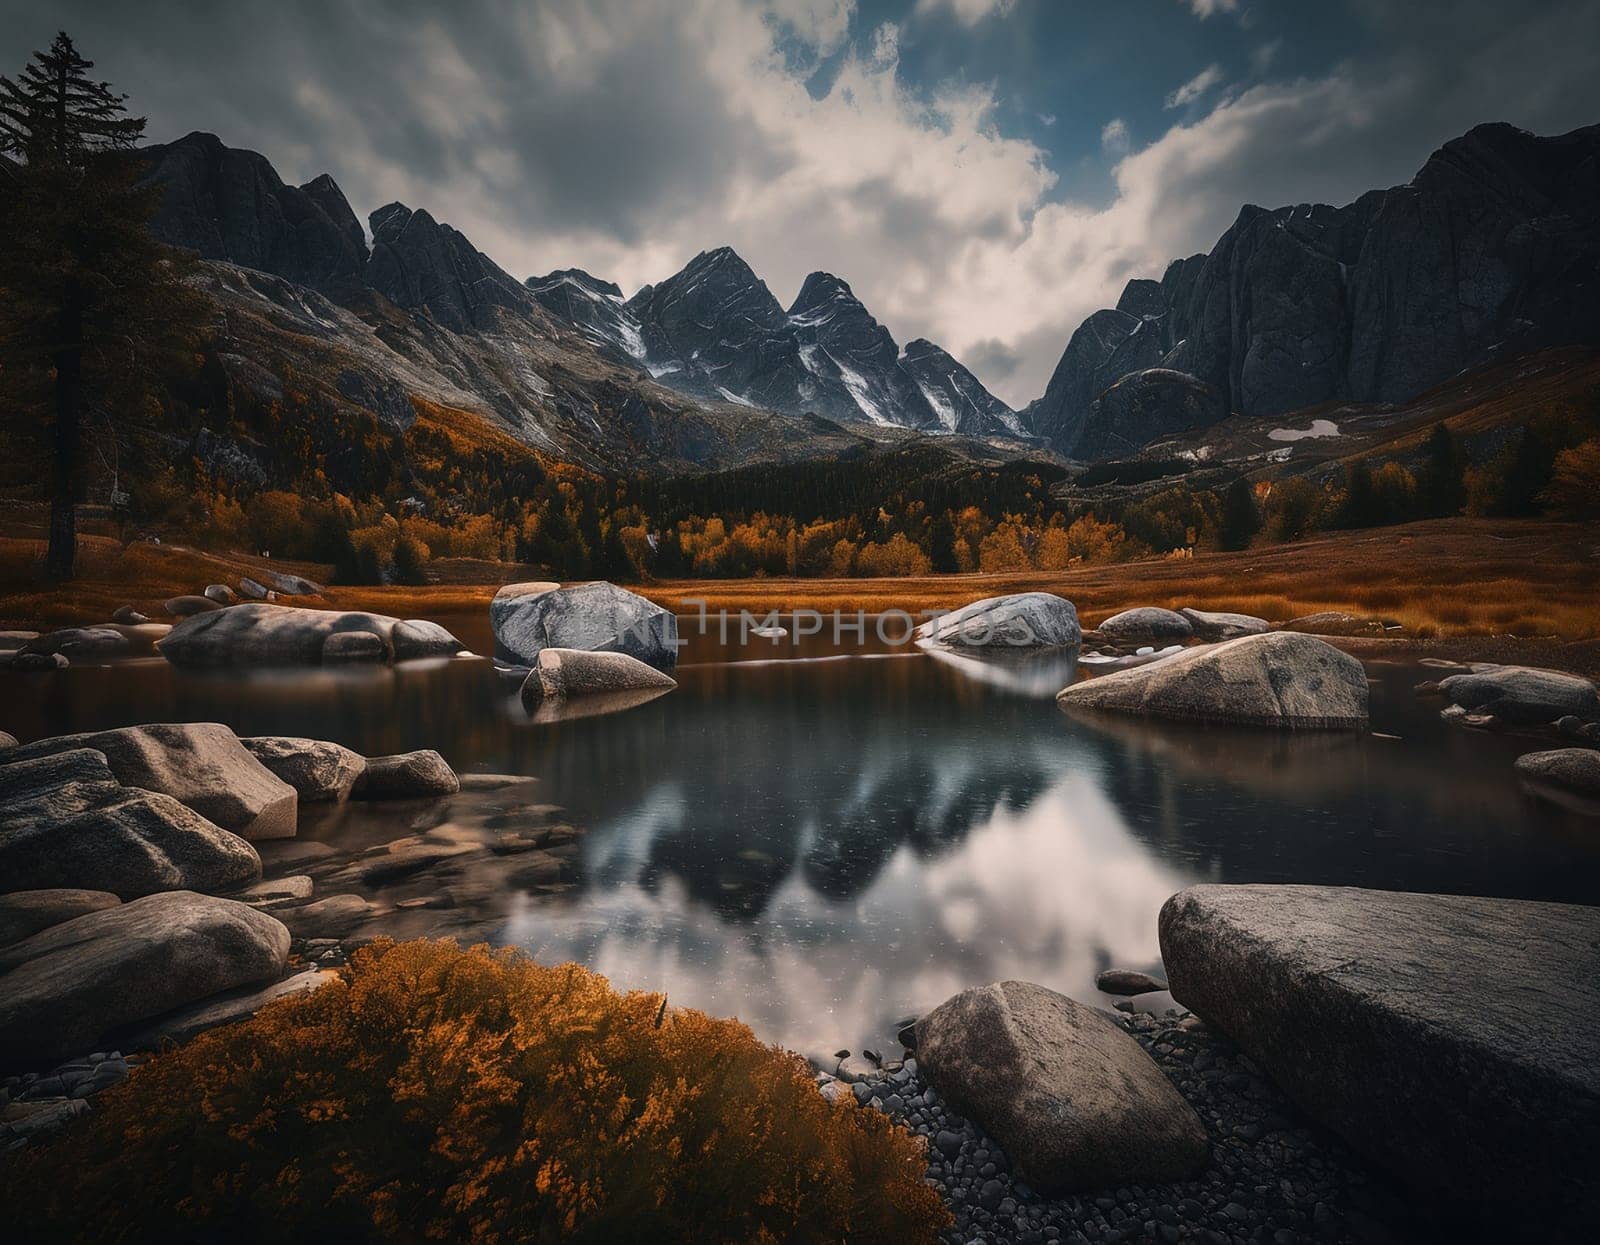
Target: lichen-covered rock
[[65, 987], [1019, 620], [319, 771], [202, 764], [1449, 1038], [1281, 679], [406, 776], [597, 617], [1573, 773], [1522, 694], [1075, 1102], [565, 672]]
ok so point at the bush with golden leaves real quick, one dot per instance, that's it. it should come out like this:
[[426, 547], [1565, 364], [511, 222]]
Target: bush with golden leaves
[[431, 1093]]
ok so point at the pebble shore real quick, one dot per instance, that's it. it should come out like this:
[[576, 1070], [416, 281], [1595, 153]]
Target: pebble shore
[[1274, 1177]]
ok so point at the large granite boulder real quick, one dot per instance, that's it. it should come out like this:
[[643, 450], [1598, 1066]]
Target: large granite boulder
[[1146, 622], [64, 988], [263, 634], [25, 913], [1211, 625], [1523, 695], [1281, 679], [564, 672], [202, 764], [319, 771], [1020, 620], [414, 638], [1449, 1038], [597, 617], [1570, 776], [1076, 1103], [128, 842]]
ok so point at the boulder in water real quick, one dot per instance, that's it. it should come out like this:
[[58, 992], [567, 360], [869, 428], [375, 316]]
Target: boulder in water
[[597, 617], [1281, 679], [1210, 625], [1569, 776], [406, 776], [566, 672], [261, 634], [1019, 620], [1146, 622], [1522, 694], [318, 771]]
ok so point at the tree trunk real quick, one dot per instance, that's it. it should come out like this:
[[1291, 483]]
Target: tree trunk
[[63, 547]]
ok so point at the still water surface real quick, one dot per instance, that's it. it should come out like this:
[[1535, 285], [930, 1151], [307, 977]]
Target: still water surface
[[823, 841]]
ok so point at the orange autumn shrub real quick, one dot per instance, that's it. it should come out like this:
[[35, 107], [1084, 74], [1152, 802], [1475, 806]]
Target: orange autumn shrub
[[431, 1093]]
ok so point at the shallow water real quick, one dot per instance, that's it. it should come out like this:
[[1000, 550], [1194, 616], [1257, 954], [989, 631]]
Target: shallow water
[[825, 841]]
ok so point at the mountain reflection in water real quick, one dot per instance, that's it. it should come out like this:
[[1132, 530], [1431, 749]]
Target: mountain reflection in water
[[823, 847]]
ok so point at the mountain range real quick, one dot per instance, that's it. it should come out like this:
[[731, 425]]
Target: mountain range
[[1492, 250]]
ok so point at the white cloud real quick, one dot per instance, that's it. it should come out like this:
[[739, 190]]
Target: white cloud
[[1210, 8], [1197, 86], [821, 23], [1115, 138], [1264, 54], [967, 12]]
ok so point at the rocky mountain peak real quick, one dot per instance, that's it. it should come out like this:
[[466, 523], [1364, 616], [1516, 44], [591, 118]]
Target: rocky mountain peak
[[422, 265]]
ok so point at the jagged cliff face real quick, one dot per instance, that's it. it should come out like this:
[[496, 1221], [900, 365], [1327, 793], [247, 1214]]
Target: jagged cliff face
[[1493, 248]]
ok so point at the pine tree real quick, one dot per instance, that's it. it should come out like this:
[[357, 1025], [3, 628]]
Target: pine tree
[[1241, 520], [92, 310], [1442, 486]]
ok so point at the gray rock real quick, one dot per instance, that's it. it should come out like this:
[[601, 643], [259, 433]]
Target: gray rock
[[253, 589], [1209, 625], [127, 614], [1020, 620], [224, 1009], [1336, 623], [597, 617], [134, 843], [221, 594], [406, 776], [1281, 679], [11, 641], [318, 771], [292, 585], [1125, 981], [7, 740], [203, 764], [1146, 623], [1523, 695], [417, 637], [1573, 773], [353, 647], [188, 606], [1439, 1034], [262, 634], [25, 913], [563, 672], [1075, 1101], [24, 776], [65, 987], [37, 663], [333, 917], [297, 888], [81, 643]]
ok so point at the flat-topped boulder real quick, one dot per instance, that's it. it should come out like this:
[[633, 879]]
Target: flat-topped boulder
[[1018, 620], [201, 764], [1073, 1099], [319, 771], [65, 987], [25, 913], [1451, 1039], [1523, 695], [1280, 679], [263, 634], [598, 617], [1570, 776], [1146, 622], [568, 672], [1212, 625], [1336, 623]]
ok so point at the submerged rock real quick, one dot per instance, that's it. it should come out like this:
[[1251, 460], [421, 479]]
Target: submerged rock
[[202, 764], [1280, 679], [1449, 1038], [1146, 623], [1075, 1101], [1522, 694], [1019, 620], [406, 776], [65, 987], [318, 771], [598, 617], [567, 672]]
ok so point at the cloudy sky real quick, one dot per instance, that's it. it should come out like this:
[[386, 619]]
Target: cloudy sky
[[983, 172]]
